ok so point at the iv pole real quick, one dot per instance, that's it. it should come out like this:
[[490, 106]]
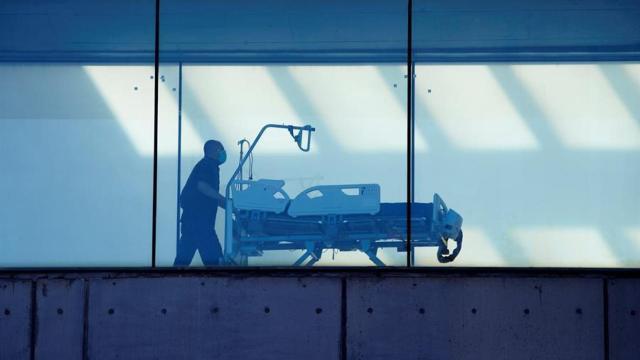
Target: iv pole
[[229, 250]]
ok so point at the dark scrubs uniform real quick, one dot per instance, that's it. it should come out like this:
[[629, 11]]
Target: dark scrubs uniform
[[199, 216]]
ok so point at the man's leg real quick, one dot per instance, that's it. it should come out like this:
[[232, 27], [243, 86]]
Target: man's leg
[[210, 250], [186, 245]]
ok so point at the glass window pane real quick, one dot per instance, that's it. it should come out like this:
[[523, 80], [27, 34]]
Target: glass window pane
[[538, 152], [540, 159], [339, 68], [497, 30], [76, 133]]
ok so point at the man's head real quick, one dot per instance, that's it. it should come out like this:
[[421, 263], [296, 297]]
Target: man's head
[[213, 149]]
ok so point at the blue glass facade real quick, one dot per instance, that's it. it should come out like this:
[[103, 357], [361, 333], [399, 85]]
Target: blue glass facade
[[522, 119]]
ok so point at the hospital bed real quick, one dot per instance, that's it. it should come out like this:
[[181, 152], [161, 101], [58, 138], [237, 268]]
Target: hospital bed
[[261, 216]]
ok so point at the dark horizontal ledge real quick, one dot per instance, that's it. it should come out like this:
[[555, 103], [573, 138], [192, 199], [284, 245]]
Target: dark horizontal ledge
[[325, 56], [356, 271]]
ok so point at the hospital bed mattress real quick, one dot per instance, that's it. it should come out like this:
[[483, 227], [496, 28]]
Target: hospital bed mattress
[[388, 223]]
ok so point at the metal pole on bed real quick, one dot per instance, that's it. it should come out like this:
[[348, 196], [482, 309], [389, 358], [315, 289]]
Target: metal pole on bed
[[229, 251]]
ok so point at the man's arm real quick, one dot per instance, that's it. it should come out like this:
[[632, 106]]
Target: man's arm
[[209, 191]]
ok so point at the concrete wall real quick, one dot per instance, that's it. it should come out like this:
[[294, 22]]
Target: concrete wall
[[320, 315]]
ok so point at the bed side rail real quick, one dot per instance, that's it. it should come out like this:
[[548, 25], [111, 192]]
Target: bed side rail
[[337, 200], [261, 195]]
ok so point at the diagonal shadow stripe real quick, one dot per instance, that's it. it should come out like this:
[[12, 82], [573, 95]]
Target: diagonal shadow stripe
[[526, 105], [203, 122], [627, 90], [621, 245], [435, 138], [296, 95]]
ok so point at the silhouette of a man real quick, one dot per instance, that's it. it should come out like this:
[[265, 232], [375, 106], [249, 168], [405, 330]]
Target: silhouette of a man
[[200, 199]]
